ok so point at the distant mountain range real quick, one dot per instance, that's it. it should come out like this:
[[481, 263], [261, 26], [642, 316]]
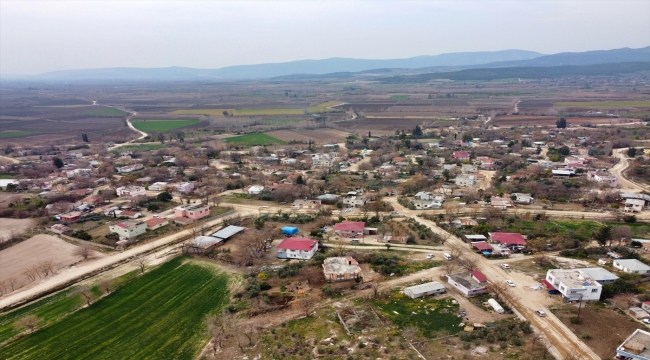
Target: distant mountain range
[[347, 67]]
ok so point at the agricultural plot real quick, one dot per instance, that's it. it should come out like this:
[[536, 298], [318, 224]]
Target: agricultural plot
[[158, 315], [322, 107], [10, 134], [239, 112], [106, 111], [604, 104], [429, 315], [254, 140], [141, 147], [399, 97], [161, 125], [320, 136]]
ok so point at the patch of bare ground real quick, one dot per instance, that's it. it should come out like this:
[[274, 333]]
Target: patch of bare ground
[[36, 258], [18, 226], [602, 328]]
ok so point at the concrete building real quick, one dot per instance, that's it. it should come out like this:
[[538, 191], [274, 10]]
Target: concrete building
[[465, 180], [466, 283], [430, 288], [426, 204], [194, 212], [297, 248], [183, 188], [574, 285], [130, 191], [635, 347], [158, 186], [350, 229], [341, 269], [632, 266], [306, 204], [468, 168], [155, 223], [255, 189], [128, 229], [634, 205], [603, 178], [522, 198]]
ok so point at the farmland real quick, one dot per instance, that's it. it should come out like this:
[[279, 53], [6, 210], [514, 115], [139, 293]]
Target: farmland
[[322, 107], [254, 140], [142, 147], [240, 112], [161, 125], [106, 111], [429, 315], [604, 104], [158, 315], [320, 136], [15, 134], [399, 97]]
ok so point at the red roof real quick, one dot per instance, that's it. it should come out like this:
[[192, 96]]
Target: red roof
[[303, 244], [461, 154], [478, 275], [482, 245], [122, 225], [350, 226], [508, 238]]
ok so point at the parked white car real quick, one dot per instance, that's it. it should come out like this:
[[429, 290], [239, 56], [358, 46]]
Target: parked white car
[[505, 266], [510, 283]]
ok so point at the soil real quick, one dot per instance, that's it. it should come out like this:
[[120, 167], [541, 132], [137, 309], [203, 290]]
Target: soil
[[14, 225], [320, 136]]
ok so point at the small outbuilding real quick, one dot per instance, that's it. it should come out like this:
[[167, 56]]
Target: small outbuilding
[[430, 288], [289, 230]]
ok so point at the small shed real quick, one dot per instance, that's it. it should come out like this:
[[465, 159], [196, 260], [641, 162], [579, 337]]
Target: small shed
[[496, 306], [430, 288], [289, 230]]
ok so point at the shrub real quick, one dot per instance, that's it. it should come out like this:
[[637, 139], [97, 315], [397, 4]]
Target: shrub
[[585, 336], [81, 234], [265, 286], [575, 320], [503, 345]]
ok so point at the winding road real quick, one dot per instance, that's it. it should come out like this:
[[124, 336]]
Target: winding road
[[618, 170]]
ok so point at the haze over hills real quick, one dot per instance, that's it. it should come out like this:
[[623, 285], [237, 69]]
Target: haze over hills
[[348, 67]]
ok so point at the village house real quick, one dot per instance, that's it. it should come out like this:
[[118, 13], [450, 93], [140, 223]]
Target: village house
[[71, 216], [130, 191], [461, 155], [635, 347], [128, 214], [603, 178], [355, 199], [632, 266], [507, 239], [522, 198], [306, 204], [297, 248], [465, 180], [183, 188], [426, 204], [350, 229], [574, 285], [634, 205], [430, 288], [60, 229], [341, 269], [128, 229], [194, 211], [468, 169], [466, 283], [501, 202], [158, 186], [130, 168], [322, 160], [155, 223], [255, 189]]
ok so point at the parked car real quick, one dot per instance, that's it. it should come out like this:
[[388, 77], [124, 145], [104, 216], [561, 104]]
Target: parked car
[[430, 256], [510, 283], [505, 266], [647, 321], [540, 313], [447, 256]]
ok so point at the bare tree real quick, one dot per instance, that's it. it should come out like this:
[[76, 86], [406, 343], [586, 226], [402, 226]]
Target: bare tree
[[107, 285], [30, 322], [45, 267], [375, 288], [449, 266], [12, 282], [534, 339], [573, 355], [455, 250], [217, 329], [468, 263], [141, 261], [3, 287], [307, 305], [621, 233], [30, 273], [85, 293], [84, 251]]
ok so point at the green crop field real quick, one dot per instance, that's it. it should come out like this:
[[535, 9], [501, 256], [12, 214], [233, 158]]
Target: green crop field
[[255, 140], [159, 315], [240, 112], [428, 314], [161, 125], [6, 176], [106, 111], [15, 134], [322, 107], [399, 97], [604, 104]]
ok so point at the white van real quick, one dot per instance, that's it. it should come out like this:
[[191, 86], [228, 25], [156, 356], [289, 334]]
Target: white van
[[446, 256]]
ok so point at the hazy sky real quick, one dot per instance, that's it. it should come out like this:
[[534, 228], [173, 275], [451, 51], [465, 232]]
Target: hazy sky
[[42, 36]]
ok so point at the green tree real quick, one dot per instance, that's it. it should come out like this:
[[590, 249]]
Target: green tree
[[161, 138], [299, 180], [603, 235], [564, 150], [164, 196], [57, 162], [561, 123], [631, 152], [467, 137], [417, 131]]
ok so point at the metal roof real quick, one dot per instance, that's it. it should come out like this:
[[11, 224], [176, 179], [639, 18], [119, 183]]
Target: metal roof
[[425, 288], [228, 231]]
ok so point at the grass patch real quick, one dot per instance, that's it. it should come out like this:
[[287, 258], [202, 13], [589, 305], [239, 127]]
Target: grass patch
[[322, 107], [240, 112], [6, 176], [254, 140], [604, 104], [15, 134], [143, 147], [429, 315], [161, 125], [158, 315], [399, 97], [106, 111], [578, 229]]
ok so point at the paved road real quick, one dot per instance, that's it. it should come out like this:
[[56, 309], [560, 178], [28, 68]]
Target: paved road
[[618, 170]]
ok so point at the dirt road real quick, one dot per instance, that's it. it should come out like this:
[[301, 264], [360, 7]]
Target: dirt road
[[563, 340], [618, 170]]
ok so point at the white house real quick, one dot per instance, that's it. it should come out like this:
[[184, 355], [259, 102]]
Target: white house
[[603, 178], [574, 285], [633, 266], [426, 204], [128, 229], [468, 168], [466, 283], [130, 191], [297, 248], [522, 198], [322, 160], [155, 223], [634, 205], [465, 180], [255, 189], [158, 186], [183, 188]]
